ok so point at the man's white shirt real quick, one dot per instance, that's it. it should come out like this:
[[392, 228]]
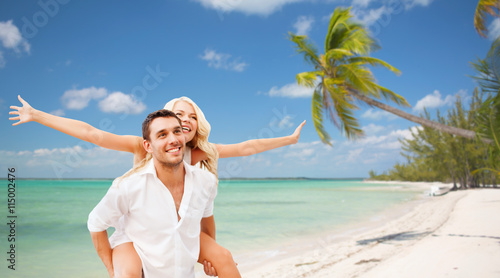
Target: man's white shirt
[[168, 247]]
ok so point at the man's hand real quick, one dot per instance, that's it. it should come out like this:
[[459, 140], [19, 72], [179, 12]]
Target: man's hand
[[103, 248]]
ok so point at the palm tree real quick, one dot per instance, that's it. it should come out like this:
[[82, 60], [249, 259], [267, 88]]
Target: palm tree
[[488, 119], [341, 77], [485, 7]]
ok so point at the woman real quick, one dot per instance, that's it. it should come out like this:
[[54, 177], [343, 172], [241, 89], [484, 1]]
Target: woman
[[126, 263]]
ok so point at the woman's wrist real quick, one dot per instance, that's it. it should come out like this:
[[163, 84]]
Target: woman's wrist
[[292, 139], [36, 115]]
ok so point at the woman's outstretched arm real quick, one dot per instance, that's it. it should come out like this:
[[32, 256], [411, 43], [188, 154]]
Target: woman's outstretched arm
[[78, 129], [255, 146]]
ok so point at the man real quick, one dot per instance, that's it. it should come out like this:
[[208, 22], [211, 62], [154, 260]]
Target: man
[[162, 204]]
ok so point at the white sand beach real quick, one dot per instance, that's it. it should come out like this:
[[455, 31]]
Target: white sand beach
[[454, 235]]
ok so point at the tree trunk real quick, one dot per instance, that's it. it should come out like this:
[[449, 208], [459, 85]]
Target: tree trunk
[[469, 134], [454, 188]]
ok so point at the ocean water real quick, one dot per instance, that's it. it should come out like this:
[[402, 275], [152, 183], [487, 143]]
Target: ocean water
[[52, 240]]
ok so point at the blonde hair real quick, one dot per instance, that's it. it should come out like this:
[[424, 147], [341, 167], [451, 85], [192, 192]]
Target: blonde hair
[[200, 140]]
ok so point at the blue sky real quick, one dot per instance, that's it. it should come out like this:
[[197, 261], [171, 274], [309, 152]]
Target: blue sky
[[110, 63]]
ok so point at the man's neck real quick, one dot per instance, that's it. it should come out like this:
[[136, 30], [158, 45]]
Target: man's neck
[[170, 176]]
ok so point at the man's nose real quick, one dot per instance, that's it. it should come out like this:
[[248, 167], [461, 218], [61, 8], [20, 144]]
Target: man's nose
[[172, 139]]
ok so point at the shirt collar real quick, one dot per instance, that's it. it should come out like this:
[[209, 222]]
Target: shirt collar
[[150, 168]]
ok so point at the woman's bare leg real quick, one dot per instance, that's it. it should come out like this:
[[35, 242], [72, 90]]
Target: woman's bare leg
[[220, 258], [126, 261]]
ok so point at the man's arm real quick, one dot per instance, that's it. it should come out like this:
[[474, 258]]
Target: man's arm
[[112, 206], [103, 248]]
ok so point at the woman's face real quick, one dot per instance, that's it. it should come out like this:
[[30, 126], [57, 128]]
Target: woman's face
[[189, 119]]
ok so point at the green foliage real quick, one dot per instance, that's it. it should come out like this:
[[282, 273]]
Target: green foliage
[[436, 156], [488, 114], [340, 73]]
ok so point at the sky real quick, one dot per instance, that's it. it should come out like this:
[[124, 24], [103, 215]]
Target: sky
[[110, 63]]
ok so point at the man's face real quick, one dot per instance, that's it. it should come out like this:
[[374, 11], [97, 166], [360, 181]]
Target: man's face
[[167, 141]]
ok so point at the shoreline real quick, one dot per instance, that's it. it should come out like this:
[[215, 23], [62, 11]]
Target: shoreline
[[248, 262], [372, 250]]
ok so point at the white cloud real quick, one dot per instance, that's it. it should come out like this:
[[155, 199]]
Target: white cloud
[[494, 29], [386, 141], [377, 114], [353, 155], [412, 3], [251, 7], [361, 3], [380, 15], [303, 153], [78, 99], [303, 25], [11, 38], [116, 102], [223, 61], [373, 129], [371, 16], [284, 123], [433, 100], [292, 90], [119, 102], [58, 112]]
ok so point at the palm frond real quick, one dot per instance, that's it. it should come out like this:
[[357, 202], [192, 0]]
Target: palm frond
[[488, 69], [305, 47], [344, 33], [390, 95], [359, 78], [358, 40], [485, 78], [494, 58], [308, 78], [483, 8], [317, 115], [337, 54], [343, 108], [488, 120], [337, 28], [373, 62]]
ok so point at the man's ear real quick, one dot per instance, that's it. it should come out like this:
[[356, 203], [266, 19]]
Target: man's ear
[[147, 146]]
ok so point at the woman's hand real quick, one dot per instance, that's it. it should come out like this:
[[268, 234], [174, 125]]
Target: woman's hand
[[209, 269], [296, 134], [25, 113]]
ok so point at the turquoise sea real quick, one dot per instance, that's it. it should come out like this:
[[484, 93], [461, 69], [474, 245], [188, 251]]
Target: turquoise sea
[[52, 240]]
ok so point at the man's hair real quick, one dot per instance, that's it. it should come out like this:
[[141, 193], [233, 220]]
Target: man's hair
[[163, 113]]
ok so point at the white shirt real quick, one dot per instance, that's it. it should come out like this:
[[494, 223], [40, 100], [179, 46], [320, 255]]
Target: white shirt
[[166, 246], [119, 236]]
